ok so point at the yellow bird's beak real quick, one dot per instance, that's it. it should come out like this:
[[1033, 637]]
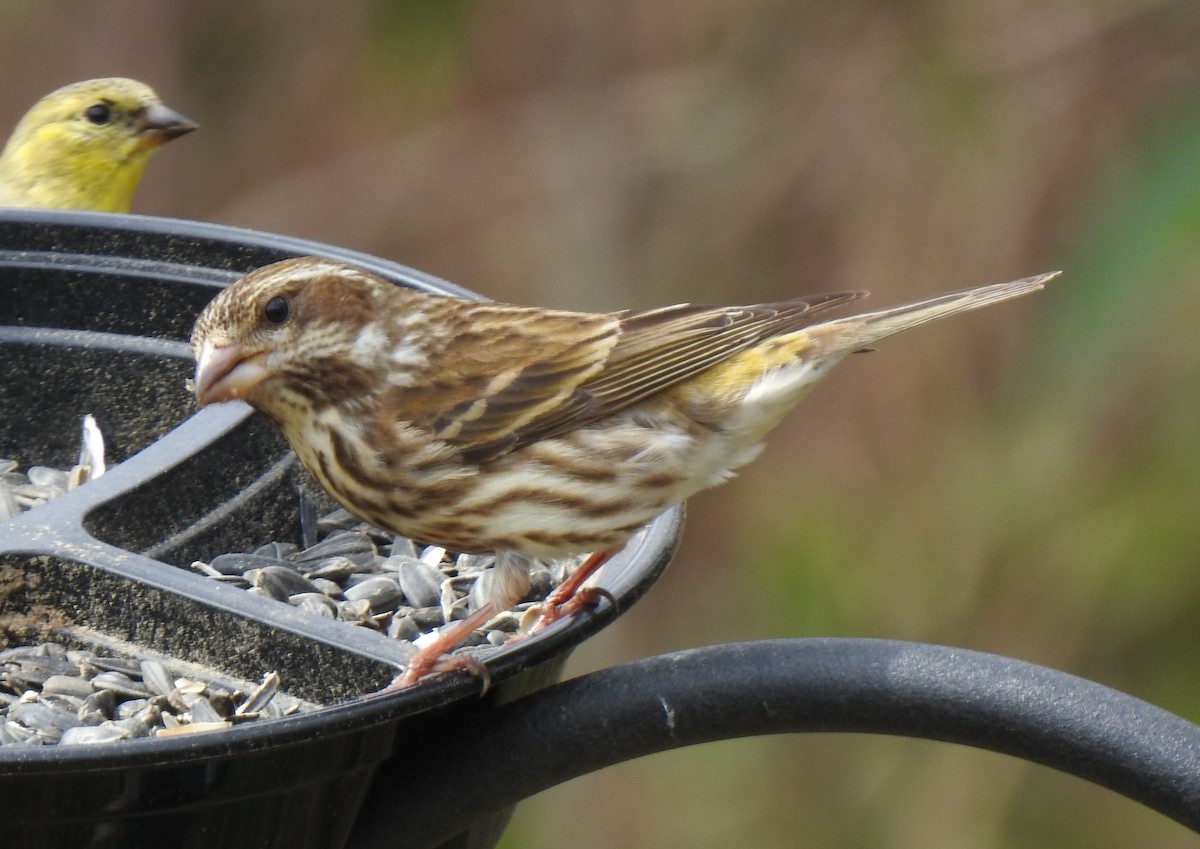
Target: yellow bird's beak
[[157, 124]]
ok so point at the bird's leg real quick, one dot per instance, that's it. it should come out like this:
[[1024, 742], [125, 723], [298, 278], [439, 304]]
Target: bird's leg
[[571, 596], [435, 656], [507, 583], [510, 580]]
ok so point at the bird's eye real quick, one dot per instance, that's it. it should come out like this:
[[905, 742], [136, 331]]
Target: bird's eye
[[277, 309], [99, 114]]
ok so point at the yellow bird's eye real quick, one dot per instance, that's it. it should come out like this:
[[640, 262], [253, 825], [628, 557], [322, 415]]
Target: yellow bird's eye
[[99, 114]]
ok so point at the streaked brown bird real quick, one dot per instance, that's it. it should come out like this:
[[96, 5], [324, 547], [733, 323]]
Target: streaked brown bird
[[85, 146], [531, 433]]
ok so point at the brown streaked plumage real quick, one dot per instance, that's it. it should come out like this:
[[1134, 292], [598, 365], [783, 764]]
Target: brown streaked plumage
[[528, 432]]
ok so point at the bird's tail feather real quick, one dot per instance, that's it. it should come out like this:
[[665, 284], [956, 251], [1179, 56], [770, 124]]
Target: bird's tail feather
[[843, 335]]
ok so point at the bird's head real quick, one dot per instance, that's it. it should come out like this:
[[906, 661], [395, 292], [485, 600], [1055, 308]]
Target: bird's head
[[302, 329], [84, 146]]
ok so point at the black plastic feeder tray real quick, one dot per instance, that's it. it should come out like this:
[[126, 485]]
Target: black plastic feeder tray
[[95, 313]]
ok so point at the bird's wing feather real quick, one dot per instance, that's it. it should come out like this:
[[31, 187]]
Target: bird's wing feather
[[590, 366]]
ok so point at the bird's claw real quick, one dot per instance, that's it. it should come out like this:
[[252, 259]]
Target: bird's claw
[[421, 670], [583, 599]]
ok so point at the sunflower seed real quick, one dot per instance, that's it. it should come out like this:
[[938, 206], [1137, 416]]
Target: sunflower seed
[[97, 707], [240, 564], [403, 547], [506, 621], [68, 685], [337, 568], [205, 569], [130, 708], [236, 581], [529, 618], [134, 727], [289, 580], [151, 714], [357, 546], [354, 611], [202, 712], [89, 735], [222, 702], [339, 520], [428, 618], [192, 728], [9, 506], [433, 555], [480, 591], [454, 606], [266, 584], [327, 587], [48, 722], [473, 564], [156, 677], [420, 582], [91, 463], [125, 665], [380, 592], [18, 734], [67, 704], [541, 582], [262, 694], [317, 604], [47, 478], [403, 628], [276, 550], [121, 684], [34, 672]]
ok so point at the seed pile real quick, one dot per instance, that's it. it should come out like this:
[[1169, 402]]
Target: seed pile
[[38, 484], [20, 491], [51, 695], [359, 574], [353, 572]]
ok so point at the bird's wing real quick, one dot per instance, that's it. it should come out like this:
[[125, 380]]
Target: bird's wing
[[584, 367]]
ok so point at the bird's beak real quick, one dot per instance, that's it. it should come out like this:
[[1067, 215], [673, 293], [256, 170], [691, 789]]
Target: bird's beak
[[225, 373], [156, 125]]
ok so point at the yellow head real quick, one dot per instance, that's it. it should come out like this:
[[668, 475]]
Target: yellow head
[[85, 146]]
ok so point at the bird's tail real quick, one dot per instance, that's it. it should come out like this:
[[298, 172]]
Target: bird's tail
[[844, 335]]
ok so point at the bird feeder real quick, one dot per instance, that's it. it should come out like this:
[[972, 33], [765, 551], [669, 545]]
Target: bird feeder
[[95, 311]]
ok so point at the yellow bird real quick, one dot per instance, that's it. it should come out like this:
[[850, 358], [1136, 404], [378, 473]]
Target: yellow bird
[[85, 145]]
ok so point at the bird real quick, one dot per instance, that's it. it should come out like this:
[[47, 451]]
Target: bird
[[84, 146], [529, 433]]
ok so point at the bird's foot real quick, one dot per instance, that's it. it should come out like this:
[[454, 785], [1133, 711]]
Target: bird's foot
[[435, 657], [585, 598], [571, 597], [567, 599], [420, 670]]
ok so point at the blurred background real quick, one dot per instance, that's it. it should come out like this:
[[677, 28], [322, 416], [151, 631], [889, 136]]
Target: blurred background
[[1023, 480]]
